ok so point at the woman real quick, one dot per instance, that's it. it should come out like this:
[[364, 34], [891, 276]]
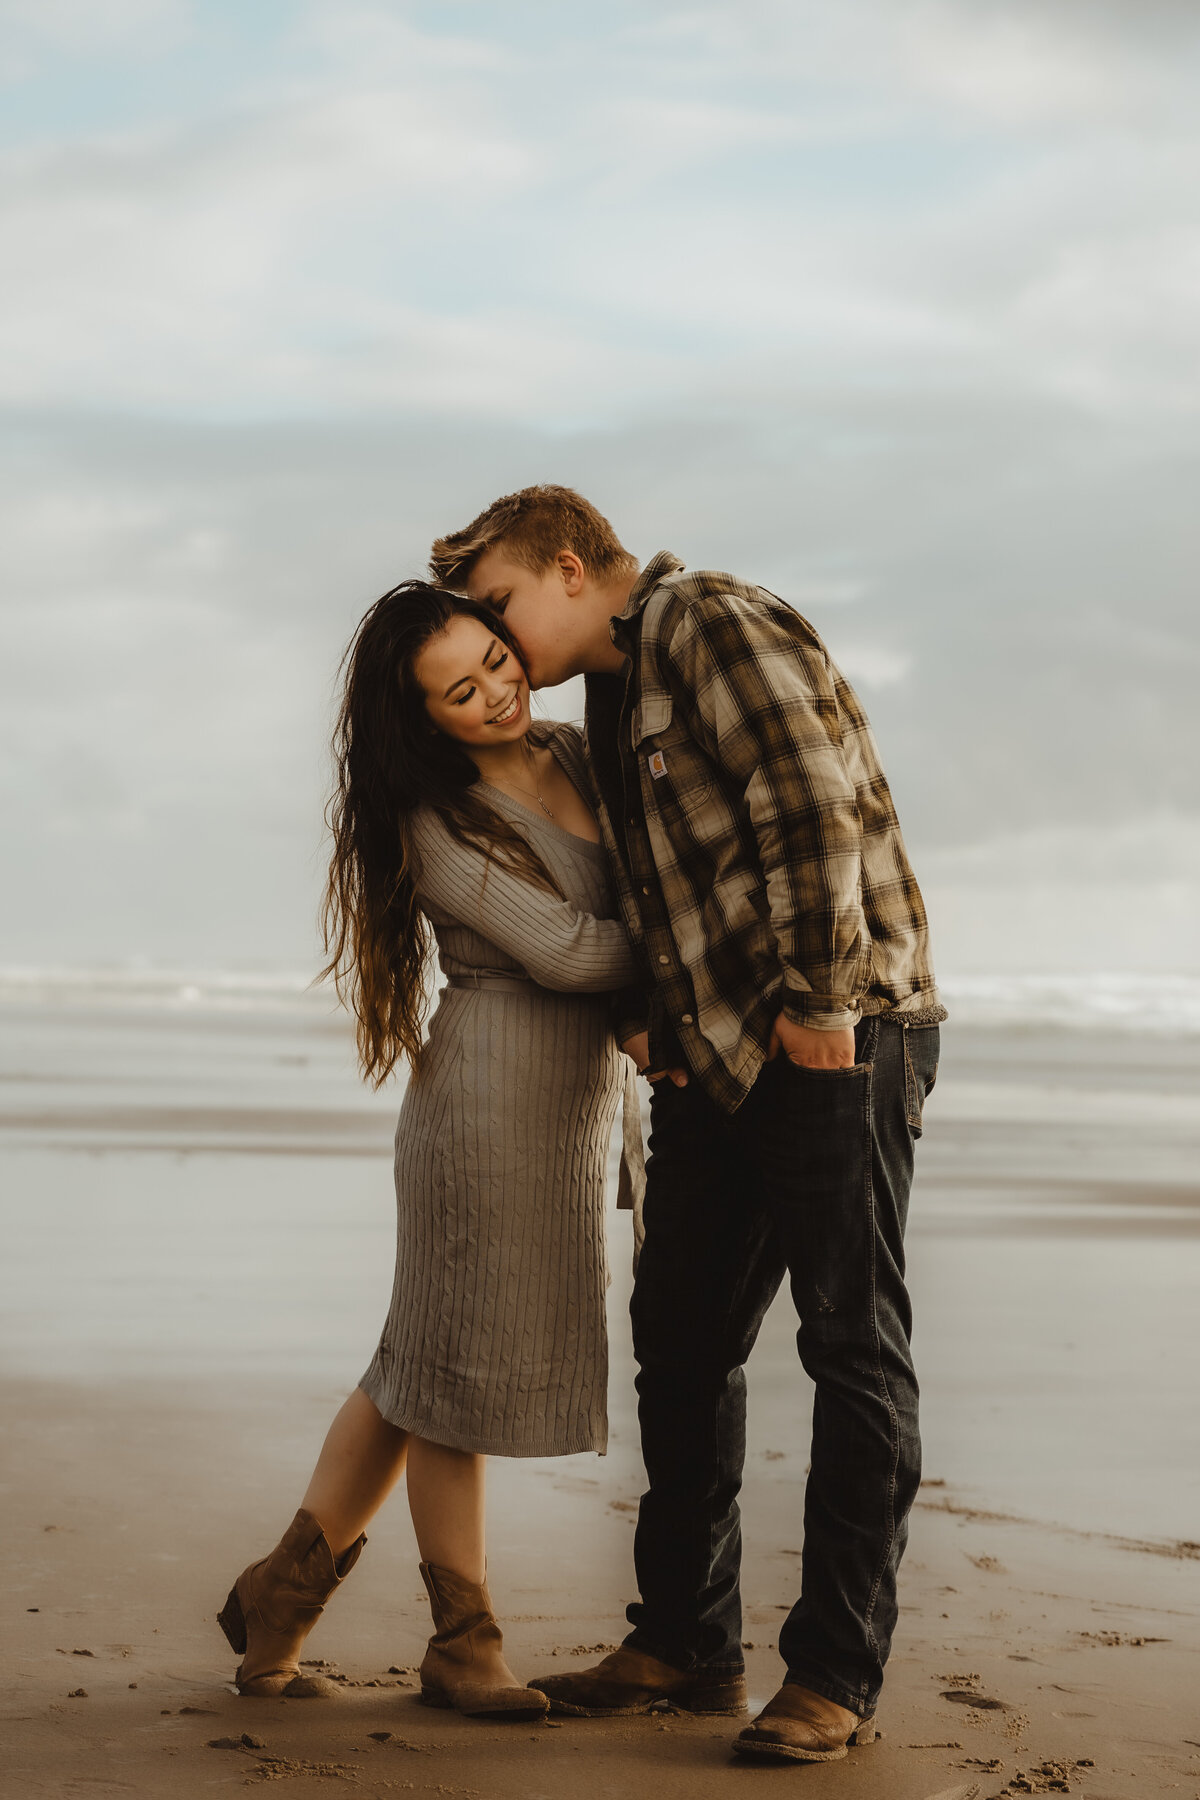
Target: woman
[[452, 813]]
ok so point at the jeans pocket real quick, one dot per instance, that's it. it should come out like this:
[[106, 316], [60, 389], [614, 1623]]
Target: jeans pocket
[[858, 1068], [921, 1049], [866, 1043]]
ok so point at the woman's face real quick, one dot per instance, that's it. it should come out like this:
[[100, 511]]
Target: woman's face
[[475, 688]]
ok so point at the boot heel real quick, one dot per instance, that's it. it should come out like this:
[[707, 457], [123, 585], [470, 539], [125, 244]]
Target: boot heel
[[863, 1733], [435, 1697], [232, 1621]]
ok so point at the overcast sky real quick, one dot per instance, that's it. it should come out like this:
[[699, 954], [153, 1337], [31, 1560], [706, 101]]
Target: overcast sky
[[893, 307]]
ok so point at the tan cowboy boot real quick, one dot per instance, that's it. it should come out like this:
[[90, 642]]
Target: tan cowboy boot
[[630, 1681], [464, 1666], [274, 1604], [800, 1726]]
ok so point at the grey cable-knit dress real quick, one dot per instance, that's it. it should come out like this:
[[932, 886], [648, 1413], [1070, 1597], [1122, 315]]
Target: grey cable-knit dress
[[495, 1339]]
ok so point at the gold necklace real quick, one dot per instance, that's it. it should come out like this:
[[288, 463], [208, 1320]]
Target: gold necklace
[[530, 791]]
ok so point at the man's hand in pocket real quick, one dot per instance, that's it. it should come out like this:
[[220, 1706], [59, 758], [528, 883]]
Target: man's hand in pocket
[[809, 1048]]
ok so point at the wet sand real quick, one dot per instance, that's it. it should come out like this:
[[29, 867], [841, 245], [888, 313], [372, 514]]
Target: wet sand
[[198, 1243]]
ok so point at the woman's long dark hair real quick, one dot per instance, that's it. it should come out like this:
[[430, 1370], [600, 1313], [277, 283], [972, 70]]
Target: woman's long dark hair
[[389, 760]]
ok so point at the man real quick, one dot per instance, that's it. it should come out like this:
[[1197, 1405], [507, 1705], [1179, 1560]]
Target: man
[[790, 1027]]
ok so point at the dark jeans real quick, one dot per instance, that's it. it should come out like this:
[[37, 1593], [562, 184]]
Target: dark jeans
[[810, 1178]]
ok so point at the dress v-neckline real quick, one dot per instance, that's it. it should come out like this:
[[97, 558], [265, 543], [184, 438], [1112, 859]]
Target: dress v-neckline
[[546, 824]]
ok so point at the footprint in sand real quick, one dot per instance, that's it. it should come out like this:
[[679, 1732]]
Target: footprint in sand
[[969, 1697]]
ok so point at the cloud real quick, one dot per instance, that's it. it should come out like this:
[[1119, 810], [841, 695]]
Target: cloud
[[172, 266], [78, 26], [327, 223], [422, 222], [1013, 65], [996, 63], [175, 617], [893, 308]]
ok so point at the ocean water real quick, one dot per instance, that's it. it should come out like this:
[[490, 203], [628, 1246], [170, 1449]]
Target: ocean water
[[196, 1187], [1123, 1002], [1117, 1002]]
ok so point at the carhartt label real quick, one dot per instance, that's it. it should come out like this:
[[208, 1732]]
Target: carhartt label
[[658, 764]]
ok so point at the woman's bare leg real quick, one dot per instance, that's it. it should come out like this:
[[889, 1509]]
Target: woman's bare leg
[[360, 1463], [275, 1603], [446, 1496]]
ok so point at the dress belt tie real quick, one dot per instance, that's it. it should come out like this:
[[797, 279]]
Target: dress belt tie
[[493, 984]]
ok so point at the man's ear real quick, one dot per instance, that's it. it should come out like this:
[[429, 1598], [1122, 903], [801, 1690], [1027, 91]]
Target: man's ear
[[571, 570]]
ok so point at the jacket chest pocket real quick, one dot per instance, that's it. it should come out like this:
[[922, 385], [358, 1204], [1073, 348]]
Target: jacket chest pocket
[[674, 772]]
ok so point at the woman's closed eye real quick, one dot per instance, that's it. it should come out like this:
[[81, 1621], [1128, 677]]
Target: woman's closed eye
[[469, 694]]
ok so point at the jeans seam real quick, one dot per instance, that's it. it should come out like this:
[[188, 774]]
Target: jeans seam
[[885, 1392], [715, 1428], [730, 1313]]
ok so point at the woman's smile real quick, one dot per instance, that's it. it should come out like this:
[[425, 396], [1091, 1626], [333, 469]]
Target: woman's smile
[[511, 711]]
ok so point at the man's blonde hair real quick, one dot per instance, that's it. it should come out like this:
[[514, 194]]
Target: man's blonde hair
[[533, 526]]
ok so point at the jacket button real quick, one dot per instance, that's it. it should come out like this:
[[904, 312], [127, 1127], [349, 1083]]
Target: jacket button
[[686, 1019], [664, 959], [645, 890]]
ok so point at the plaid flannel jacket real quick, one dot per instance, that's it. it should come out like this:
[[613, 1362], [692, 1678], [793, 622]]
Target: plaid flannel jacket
[[756, 849]]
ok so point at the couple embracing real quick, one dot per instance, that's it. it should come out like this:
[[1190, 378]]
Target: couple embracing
[[710, 885]]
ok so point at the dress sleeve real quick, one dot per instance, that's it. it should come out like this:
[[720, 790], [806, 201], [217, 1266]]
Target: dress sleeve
[[557, 945]]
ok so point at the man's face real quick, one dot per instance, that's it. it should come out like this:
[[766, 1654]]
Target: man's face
[[537, 608]]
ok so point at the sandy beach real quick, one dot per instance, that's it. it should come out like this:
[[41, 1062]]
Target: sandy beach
[[198, 1237]]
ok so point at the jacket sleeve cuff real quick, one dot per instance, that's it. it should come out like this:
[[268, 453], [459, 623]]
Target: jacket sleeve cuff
[[820, 1012]]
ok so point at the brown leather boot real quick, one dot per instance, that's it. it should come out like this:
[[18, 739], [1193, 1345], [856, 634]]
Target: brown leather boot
[[464, 1666], [274, 1604], [800, 1726], [629, 1681]]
